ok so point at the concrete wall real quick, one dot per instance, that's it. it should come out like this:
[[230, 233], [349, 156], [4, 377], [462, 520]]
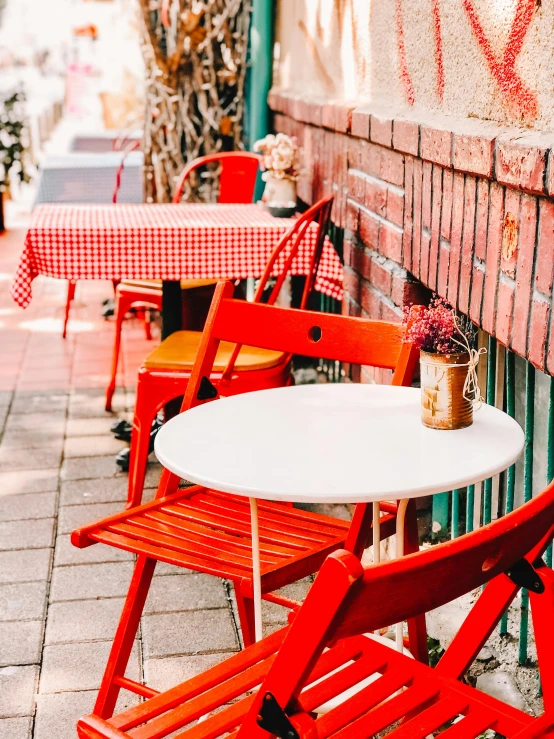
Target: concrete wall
[[488, 59]]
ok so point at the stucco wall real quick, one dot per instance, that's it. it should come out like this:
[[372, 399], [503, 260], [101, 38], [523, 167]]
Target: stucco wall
[[490, 59]]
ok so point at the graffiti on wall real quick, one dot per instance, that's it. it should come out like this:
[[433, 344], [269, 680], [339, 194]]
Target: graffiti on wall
[[517, 97]]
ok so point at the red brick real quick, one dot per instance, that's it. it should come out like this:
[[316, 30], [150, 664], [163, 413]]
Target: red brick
[[405, 137], [444, 266], [416, 241], [394, 315], [328, 115], [545, 248], [524, 275], [474, 154], [550, 183], [456, 238], [398, 289], [435, 228], [550, 355], [360, 123], [395, 206], [521, 164], [414, 293], [314, 113], [504, 311], [467, 244], [371, 302], [371, 159], [343, 117], [408, 213], [392, 167], [380, 277], [376, 196], [390, 242], [476, 294], [348, 248], [538, 332], [369, 230], [380, 130], [356, 185], [436, 145], [427, 188], [481, 219], [352, 217], [508, 262], [494, 245], [351, 281], [446, 216], [424, 259]]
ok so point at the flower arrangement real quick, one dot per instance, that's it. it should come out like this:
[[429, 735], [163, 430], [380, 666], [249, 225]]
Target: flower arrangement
[[281, 156], [438, 328]]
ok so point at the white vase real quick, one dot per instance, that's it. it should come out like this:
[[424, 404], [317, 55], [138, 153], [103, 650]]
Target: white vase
[[279, 191]]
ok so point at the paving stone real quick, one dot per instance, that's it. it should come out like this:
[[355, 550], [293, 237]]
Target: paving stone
[[83, 468], [153, 473], [17, 690], [163, 674], [37, 439], [91, 404], [22, 459], [58, 713], [79, 666], [503, 686], [30, 505], [275, 614], [92, 446], [25, 565], [90, 581], [6, 397], [33, 534], [16, 728], [51, 422], [108, 490], [83, 620], [89, 426], [172, 634], [23, 601], [31, 481], [20, 642], [70, 517], [185, 593], [30, 402], [67, 554]]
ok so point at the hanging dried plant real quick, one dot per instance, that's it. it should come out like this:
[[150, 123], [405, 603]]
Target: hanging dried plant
[[195, 54]]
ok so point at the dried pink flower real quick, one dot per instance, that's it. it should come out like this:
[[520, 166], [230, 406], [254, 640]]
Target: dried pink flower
[[437, 328]]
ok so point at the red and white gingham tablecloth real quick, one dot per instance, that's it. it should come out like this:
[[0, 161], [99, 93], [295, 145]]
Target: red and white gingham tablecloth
[[167, 242]]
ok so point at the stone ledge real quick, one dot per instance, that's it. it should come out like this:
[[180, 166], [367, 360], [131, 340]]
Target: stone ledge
[[515, 157]]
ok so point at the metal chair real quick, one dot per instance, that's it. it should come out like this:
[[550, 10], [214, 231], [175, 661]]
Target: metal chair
[[326, 676], [209, 531]]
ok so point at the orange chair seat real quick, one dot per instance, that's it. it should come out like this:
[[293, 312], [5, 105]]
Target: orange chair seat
[[406, 700], [157, 284], [178, 352]]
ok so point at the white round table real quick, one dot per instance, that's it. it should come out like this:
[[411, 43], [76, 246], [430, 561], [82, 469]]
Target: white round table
[[332, 443]]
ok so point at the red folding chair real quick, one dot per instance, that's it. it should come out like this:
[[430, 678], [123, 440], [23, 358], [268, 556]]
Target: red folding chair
[[326, 676], [209, 531], [237, 181], [166, 371]]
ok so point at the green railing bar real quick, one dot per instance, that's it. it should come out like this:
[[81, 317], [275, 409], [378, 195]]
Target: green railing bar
[[470, 504], [511, 474], [491, 388], [441, 506], [527, 494], [455, 529]]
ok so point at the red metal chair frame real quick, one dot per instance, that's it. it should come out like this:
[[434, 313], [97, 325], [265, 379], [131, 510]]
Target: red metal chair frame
[[237, 181], [326, 643], [209, 531], [156, 387]]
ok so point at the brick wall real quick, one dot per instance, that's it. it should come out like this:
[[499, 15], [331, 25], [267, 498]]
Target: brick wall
[[460, 207]]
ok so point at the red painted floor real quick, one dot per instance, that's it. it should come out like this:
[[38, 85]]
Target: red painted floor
[[33, 355]]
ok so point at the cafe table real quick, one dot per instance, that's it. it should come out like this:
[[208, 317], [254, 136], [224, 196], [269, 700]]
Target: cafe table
[[332, 443], [161, 241]]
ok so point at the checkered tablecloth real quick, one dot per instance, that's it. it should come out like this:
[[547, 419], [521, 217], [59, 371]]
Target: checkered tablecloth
[[167, 242]]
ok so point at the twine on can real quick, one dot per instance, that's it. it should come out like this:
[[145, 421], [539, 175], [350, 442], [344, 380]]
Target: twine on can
[[472, 391]]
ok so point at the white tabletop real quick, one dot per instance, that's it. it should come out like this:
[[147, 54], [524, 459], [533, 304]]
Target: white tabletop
[[333, 443]]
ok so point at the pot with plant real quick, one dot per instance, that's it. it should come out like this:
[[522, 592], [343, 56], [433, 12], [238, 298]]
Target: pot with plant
[[448, 360], [281, 162], [12, 144]]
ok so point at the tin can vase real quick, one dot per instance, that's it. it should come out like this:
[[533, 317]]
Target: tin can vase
[[443, 405]]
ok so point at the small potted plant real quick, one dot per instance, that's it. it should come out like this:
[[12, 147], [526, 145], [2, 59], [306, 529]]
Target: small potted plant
[[281, 162], [12, 145], [449, 388]]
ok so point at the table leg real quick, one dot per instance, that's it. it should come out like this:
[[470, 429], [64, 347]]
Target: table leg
[[400, 531], [256, 570]]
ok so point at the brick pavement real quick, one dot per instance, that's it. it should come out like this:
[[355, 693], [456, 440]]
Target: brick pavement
[[58, 605]]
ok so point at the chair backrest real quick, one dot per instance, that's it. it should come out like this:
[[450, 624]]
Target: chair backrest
[[237, 176], [347, 600], [126, 150]]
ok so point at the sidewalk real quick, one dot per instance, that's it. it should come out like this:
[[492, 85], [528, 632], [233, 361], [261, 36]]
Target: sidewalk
[[59, 606]]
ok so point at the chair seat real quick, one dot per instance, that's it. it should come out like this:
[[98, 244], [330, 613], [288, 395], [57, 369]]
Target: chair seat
[[157, 284], [405, 699], [178, 352], [209, 531]]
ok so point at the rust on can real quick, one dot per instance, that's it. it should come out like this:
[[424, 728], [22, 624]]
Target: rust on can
[[443, 405]]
